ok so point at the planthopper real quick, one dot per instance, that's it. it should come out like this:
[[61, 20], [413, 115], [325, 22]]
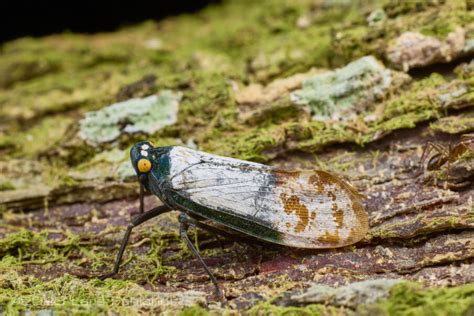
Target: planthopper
[[295, 208]]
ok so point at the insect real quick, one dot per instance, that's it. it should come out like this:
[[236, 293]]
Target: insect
[[304, 209], [447, 155]]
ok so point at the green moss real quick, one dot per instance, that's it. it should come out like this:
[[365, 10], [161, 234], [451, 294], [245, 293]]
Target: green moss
[[7, 185], [263, 37], [14, 69], [423, 100], [195, 311], [29, 247], [421, 97], [399, 7], [35, 247], [413, 299], [67, 293], [44, 136], [72, 295], [199, 111], [263, 144], [419, 103], [454, 124], [465, 70], [453, 15], [150, 264], [280, 111], [313, 309]]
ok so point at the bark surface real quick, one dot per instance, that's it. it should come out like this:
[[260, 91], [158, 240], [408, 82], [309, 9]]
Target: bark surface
[[290, 87]]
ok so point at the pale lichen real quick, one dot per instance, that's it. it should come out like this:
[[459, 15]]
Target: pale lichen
[[345, 92], [351, 295], [146, 115]]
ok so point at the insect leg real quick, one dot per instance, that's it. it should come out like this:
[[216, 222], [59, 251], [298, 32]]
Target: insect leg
[[449, 158], [139, 219], [426, 151], [183, 232], [142, 198]]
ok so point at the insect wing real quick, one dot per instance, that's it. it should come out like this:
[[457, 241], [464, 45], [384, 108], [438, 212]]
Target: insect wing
[[306, 209]]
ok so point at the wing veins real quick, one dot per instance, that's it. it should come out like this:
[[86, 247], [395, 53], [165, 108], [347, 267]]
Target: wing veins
[[326, 210]]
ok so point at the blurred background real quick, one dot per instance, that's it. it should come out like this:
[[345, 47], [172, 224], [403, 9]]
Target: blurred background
[[36, 18]]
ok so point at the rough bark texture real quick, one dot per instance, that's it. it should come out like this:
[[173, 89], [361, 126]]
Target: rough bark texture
[[246, 88]]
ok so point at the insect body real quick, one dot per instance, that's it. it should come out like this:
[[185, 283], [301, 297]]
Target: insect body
[[447, 155], [304, 209]]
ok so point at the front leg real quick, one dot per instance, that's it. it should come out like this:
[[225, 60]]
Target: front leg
[[184, 221], [140, 219]]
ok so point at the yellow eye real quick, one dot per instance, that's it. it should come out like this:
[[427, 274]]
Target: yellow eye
[[144, 165]]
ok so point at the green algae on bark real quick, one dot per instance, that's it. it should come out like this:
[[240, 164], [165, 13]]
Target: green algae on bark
[[146, 115]]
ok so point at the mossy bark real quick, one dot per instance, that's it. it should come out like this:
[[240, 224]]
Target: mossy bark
[[65, 202]]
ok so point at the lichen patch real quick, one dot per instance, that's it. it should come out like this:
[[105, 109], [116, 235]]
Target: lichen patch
[[343, 93], [145, 115]]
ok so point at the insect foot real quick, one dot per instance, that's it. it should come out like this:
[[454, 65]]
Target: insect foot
[[140, 219], [183, 232]]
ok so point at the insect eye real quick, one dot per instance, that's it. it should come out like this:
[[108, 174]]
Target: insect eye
[[144, 165]]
